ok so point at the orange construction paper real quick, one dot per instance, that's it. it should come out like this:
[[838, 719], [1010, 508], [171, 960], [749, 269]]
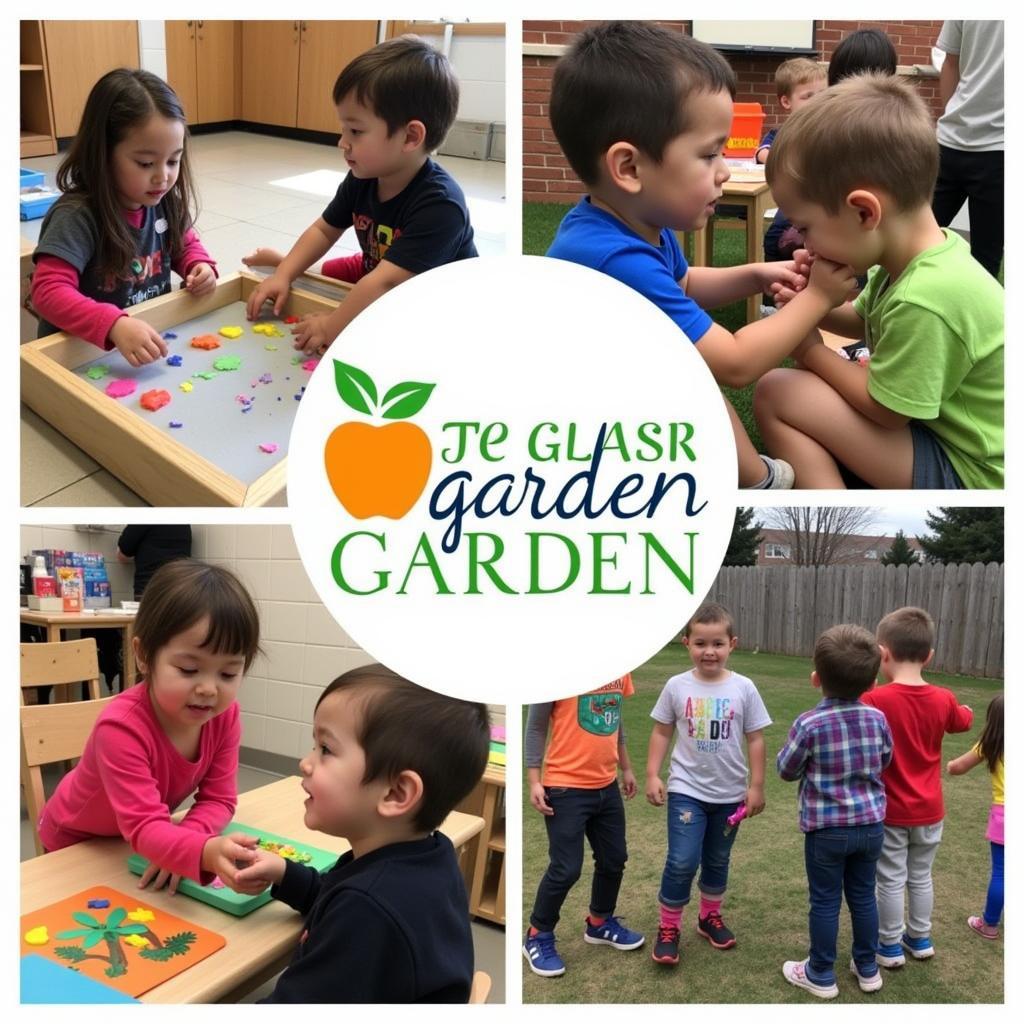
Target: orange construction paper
[[117, 937]]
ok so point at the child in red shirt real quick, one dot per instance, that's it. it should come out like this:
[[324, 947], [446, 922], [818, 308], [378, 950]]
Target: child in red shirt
[[578, 795], [919, 715]]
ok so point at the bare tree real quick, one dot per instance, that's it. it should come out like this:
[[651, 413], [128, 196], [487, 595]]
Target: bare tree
[[821, 535]]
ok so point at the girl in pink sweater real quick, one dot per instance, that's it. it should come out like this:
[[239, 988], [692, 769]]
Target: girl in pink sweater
[[124, 221], [173, 734]]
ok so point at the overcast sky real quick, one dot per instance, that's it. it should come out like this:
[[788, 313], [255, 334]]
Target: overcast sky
[[908, 518]]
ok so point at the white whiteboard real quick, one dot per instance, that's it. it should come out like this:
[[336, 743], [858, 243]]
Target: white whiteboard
[[761, 35]]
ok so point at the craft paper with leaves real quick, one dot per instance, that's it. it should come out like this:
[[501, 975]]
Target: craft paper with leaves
[[127, 944]]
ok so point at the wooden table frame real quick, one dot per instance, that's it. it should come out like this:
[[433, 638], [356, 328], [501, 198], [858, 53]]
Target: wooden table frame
[[158, 468], [258, 945], [55, 622], [756, 198]]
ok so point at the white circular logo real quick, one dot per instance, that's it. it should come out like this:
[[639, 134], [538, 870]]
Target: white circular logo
[[512, 479]]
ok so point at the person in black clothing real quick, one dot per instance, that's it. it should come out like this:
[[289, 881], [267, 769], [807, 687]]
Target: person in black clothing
[[150, 547], [389, 923]]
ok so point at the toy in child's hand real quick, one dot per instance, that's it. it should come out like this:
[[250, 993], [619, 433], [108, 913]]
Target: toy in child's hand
[[284, 850], [137, 341], [737, 816], [201, 279]]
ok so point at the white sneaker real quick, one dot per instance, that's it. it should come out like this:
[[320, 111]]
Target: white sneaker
[[869, 984], [795, 972], [779, 477]]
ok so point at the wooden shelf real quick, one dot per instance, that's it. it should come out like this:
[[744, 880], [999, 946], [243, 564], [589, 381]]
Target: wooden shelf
[[485, 866], [38, 137], [30, 67], [497, 840]]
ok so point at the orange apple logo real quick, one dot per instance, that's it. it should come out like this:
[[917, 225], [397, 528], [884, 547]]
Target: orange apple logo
[[378, 471]]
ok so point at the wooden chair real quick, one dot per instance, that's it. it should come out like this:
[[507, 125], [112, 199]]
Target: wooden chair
[[61, 664], [55, 732], [481, 987]]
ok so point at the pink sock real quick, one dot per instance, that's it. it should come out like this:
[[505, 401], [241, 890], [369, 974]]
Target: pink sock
[[670, 918], [596, 920], [709, 906]]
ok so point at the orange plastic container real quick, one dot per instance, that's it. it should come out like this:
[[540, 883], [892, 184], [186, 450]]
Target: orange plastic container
[[745, 133]]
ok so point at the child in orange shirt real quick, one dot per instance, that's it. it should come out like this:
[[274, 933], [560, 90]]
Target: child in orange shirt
[[578, 794]]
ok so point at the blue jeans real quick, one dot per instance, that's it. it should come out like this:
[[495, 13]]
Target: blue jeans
[[698, 836], [842, 860], [599, 815], [994, 903]]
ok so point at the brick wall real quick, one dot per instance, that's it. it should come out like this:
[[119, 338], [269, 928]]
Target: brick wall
[[546, 173]]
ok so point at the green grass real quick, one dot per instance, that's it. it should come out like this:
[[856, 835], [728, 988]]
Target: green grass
[[541, 220], [766, 904]]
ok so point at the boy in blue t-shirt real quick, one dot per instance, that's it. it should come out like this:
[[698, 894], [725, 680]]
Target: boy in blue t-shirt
[[642, 114]]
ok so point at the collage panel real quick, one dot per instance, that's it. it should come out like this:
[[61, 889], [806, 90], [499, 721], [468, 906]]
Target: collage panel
[[714, 826], [818, 207], [206, 206], [221, 789]]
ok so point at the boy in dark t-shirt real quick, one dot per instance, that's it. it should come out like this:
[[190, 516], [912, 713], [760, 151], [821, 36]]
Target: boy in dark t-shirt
[[389, 922], [395, 103]]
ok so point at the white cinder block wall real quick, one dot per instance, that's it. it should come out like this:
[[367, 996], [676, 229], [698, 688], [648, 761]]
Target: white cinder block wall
[[303, 647]]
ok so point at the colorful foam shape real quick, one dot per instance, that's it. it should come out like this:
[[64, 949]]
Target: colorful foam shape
[[269, 447], [120, 388], [97, 372], [205, 374], [270, 348], [98, 904], [155, 399], [168, 336], [231, 331], [268, 330], [205, 341], [174, 360], [186, 386], [175, 424], [137, 941], [226, 363], [291, 319], [38, 936], [310, 365]]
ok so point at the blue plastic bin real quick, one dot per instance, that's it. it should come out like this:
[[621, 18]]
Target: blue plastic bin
[[30, 178], [34, 205]]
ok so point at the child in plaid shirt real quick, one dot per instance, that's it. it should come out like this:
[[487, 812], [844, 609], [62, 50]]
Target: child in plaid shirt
[[838, 751]]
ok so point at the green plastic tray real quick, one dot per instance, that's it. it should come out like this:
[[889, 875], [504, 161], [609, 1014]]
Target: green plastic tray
[[227, 899]]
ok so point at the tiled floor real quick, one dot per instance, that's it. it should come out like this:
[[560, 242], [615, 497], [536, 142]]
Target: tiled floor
[[254, 190], [488, 940]]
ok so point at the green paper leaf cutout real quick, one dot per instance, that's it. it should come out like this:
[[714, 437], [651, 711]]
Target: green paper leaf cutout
[[87, 919], [116, 917], [355, 387], [133, 929], [92, 938], [75, 933], [405, 399]]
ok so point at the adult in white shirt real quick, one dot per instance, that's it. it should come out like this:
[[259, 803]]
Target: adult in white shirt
[[970, 134]]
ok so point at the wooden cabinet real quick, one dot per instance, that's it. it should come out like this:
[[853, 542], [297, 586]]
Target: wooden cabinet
[[81, 52], [486, 867], [37, 133], [325, 48], [290, 68], [204, 68]]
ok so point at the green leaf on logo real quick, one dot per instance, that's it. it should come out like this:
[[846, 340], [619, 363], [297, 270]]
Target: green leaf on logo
[[405, 400], [355, 387]]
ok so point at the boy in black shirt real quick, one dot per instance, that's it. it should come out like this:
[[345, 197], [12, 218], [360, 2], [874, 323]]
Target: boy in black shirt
[[389, 923], [396, 104]]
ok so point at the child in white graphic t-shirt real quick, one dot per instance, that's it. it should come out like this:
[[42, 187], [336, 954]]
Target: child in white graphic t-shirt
[[712, 711]]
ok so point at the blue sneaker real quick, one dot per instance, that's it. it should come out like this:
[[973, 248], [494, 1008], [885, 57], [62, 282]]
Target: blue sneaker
[[542, 956], [612, 933], [891, 955], [920, 948]]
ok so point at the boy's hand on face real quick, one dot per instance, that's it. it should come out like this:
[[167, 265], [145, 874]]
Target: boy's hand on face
[[628, 783], [834, 281], [539, 799], [266, 869], [655, 790], [755, 800]]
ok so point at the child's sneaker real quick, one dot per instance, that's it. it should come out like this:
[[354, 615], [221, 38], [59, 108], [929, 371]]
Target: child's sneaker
[[868, 983], [714, 930], [666, 949], [977, 924], [542, 956], [779, 475], [891, 955], [920, 948], [612, 932], [795, 972]]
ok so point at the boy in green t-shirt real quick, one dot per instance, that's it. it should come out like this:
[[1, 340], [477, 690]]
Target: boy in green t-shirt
[[854, 170]]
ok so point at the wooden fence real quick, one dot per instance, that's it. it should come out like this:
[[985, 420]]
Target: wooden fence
[[782, 609]]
